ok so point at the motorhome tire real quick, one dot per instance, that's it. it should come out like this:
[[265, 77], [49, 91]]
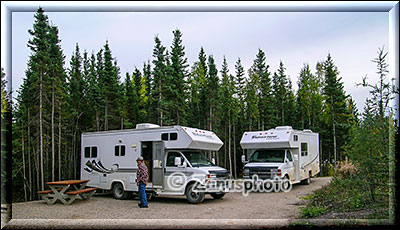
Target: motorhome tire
[[285, 183], [307, 181], [119, 192], [192, 196], [217, 195]]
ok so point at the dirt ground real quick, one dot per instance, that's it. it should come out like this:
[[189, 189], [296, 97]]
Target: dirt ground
[[282, 205]]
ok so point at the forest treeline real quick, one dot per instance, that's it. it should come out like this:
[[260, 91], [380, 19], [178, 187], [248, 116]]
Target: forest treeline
[[56, 104]]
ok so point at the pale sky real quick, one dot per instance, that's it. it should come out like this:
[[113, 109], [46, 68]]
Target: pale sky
[[352, 39]]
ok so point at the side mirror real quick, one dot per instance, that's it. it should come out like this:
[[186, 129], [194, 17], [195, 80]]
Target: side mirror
[[184, 165], [177, 161], [286, 160], [243, 159], [213, 160]]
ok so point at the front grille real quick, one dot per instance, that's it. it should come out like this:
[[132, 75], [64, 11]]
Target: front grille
[[262, 172], [220, 175]]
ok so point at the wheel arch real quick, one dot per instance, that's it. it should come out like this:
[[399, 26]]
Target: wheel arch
[[114, 182]]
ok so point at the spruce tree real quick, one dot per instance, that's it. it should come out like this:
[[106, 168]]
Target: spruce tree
[[280, 94], [336, 112], [159, 78], [38, 67], [131, 102], [264, 91], [212, 87], [148, 85], [179, 74]]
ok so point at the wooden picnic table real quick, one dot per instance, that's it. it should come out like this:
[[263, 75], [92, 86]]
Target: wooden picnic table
[[66, 191]]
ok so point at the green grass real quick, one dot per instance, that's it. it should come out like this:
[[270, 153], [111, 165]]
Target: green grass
[[344, 195], [312, 211]]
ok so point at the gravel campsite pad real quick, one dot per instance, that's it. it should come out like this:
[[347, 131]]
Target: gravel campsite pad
[[282, 205]]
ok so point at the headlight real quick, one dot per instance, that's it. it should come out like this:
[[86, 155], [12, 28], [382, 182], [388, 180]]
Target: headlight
[[246, 171], [276, 171]]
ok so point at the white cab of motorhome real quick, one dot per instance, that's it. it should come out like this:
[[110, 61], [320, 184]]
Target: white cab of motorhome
[[171, 154], [281, 152]]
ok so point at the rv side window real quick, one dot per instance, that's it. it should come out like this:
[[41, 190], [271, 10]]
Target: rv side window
[[295, 138], [171, 158], [119, 150], [164, 136], [91, 152], [304, 149], [94, 152], [87, 152], [173, 136], [116, 150]]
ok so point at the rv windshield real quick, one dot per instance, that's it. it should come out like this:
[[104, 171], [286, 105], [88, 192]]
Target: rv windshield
[[197, 159], [268, 155]]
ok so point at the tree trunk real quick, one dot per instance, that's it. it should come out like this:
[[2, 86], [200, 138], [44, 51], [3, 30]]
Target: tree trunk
[[234, 150], [37, 164], [210, 117], [97, 121], [105, 115], [225, 163], [72, 155], [52, 137], [23, 164], [59, 143], [29, 157], [334, 131], [41, 130], [229, 145]]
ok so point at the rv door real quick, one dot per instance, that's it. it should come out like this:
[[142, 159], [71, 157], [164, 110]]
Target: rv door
[[158, 167]]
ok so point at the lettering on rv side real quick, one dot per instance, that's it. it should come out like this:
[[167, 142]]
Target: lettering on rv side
[[265, 137], [202, 135]]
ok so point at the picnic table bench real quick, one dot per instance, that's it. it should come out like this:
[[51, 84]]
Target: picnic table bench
[[66, 191]]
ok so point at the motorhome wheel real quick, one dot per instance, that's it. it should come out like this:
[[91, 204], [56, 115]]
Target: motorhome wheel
[[285, 183], [192, 196], [119, 192], [307, 181], [217, 195]]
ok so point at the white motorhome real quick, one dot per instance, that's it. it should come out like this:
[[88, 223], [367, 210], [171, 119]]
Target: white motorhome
[[282, 152], [109, 160]]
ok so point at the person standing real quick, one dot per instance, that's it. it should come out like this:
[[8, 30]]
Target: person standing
[[142, 176]]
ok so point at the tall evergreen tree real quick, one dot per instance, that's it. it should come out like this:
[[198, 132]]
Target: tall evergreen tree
[[159, 78], [76, 86], [38, 65], [143, 97], [131, 102], [194, 89], [137, 76], [179, 74], [110, 90], [148, 85], [280, 93], [336, 112], [227, 111], [309, 100], [252, 100], [57, 78], [264, 91]]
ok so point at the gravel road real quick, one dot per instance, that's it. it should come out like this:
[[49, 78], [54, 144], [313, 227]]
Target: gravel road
[[282, 205], [235, 211]]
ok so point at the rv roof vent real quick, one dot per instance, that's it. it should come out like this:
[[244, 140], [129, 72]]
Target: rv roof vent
[[307, 130], [146, 126], [283, 128]]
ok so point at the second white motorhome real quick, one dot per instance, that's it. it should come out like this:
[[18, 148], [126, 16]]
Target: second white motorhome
[[172, 154], [281, 152]]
